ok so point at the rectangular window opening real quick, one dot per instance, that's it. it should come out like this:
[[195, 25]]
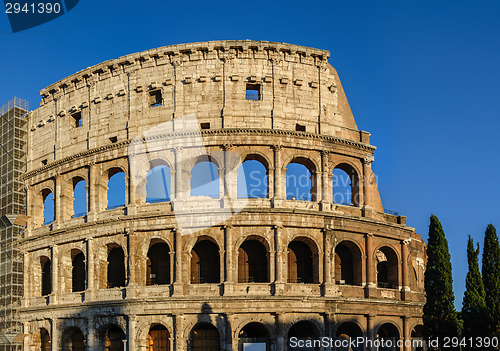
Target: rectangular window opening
[[77, 119], [253, 92], [205, 125], [113, 139], [155, 98], [300, 128]]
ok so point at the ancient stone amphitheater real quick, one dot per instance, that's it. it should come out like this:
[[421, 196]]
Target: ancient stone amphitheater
[[159, 257]]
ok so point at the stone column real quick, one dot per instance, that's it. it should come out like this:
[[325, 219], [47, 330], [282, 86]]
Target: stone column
[[54, 335], [326, 189], [370, 333], [328, 283], [132, 319], [132, 280], [280, 337], [91, 335], [132, 194], [366, 191], [370, 264], [55, 276], [278, 181], [89, 256], [404, 264], [58, 201], [279, 278], [26, 277], [230, 270], [406, 333], [178, 283], [177, 188], [180, 338], [92, 192]]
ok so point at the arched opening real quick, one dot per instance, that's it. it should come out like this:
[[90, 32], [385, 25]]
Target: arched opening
[[48, 206], [204, 337], [387, 268], [116, 188], [205, 179], [349, 331], [116, 267], [252, 179], [252, 262], [302, 262], [46, 266], [345, 185], [73, 340], [158, 265], [205, 263], [114, 339], [158, 184], [348, 264], [300, 180], [255, 334], [79, 197], [417, 337], [44, 340], [306, 333], [78, 271], [158, 338], [388, 335]]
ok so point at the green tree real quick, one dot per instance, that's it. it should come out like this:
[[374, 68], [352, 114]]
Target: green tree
[[474, 312], [491, 279], [440, 318]]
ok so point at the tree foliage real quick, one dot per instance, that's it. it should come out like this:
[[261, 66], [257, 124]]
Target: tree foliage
[[491, 279], [474, 311], [440, 318]]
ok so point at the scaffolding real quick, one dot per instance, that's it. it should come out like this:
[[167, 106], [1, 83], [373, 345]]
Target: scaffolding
[[13, 135]]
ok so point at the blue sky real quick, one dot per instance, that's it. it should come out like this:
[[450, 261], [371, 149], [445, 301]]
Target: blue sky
[[422, 77]]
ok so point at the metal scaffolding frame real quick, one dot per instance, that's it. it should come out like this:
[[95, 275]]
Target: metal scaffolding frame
[[13, 137]]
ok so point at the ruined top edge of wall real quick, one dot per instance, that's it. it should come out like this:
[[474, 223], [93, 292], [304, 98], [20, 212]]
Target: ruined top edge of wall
[[186, 52]]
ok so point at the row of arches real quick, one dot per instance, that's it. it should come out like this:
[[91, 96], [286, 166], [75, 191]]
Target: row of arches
[[252, 182], [206, 337], [253, 264]]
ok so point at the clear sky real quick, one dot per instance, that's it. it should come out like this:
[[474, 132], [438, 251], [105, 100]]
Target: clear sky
[[422, 77]]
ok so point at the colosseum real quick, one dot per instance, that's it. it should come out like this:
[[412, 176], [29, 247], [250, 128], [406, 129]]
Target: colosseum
[[210, 196]]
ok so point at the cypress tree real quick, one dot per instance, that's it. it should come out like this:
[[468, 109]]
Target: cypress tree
[[440, 318], [491, 278], [474, 312]]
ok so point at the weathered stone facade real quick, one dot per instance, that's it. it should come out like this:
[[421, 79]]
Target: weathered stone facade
[[84, 129]]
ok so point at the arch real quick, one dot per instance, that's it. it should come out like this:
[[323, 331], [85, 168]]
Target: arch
[[158, 183], [345, 185], [256, 334], [348, 264], [303, 265], [158, 264], [387, 268], [46, 267], [44, 340], [79, 197], [253, 176], [48, 206], [253, 262], [301, 180], [116, 267], [158, 338], [116, 188], [113, 338], [78, 273], [389, 334], [205, 178], [306, 332], [205, 262], [204, 337], [73, 340]]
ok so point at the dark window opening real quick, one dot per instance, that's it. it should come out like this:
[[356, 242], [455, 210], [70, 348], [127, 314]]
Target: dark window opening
[[205, 125], [73, 339], [77, 119], [204, 337], [154, 97], [253, 92], [255, 334], [158, 265], [116, 268], [44, 162], [45, 339], [46, 276], [205, 263], [348, 264], [113, 139], [114, 339], [252, 262], [158, 338], [78, 273], [300, 263], [300, 128], [304, 331]]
